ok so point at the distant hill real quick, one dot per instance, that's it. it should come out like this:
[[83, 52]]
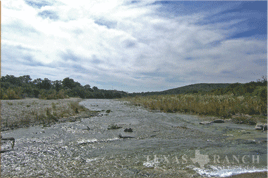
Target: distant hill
[[193, 88]]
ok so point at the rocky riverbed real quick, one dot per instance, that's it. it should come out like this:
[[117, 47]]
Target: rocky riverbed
[[159, 145]]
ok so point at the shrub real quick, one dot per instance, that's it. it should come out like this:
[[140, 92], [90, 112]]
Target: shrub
[[108, 111], [11, 94], [61, 94], [52, 95], [113, 126]]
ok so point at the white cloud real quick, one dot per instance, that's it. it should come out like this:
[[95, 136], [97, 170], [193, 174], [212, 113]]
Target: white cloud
[[134, 44]]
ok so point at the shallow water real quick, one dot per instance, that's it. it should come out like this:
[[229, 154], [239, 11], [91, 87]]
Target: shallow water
[[164, 144]]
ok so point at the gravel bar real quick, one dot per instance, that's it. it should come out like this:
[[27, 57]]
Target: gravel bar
[[32, 111]]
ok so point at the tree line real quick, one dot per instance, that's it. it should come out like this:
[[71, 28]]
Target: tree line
[[258, 88], [20, 87], [23, 86]]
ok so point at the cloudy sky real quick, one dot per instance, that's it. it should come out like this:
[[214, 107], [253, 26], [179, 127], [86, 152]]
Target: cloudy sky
[[135, 46]]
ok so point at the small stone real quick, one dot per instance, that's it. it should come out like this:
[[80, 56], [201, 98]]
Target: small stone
[[205, 123], [250, 142], [244, 132]]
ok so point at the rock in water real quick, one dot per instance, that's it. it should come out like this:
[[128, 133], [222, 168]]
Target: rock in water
[[128, 130], [218, 121], [120, 136]]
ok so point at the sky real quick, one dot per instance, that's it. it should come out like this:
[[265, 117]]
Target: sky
[[135, 46]]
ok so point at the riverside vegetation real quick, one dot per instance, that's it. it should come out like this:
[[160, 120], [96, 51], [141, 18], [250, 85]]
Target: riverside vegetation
[[244, 103]]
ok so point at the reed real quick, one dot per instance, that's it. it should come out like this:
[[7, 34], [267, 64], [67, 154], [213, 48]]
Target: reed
[[214, 105]]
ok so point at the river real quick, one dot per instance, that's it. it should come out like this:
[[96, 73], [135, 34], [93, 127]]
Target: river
[[163, 144]]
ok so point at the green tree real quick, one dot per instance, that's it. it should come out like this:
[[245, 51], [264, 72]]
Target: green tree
[[46, 84], [25, 79], [57, 85], [11, 79], [37, 82], [68, 83], [87, 87], [95, 88]]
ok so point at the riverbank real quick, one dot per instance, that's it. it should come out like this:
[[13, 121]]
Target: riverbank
[[31, 111], [238, 109]]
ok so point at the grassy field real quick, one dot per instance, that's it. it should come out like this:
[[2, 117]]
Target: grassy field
[[224, 106]]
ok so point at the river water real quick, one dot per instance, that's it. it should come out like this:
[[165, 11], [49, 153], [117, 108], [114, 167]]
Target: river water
[[164, 144]]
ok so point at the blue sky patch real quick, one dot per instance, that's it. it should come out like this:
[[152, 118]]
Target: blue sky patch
[[261, 62], [49, 14], [106, 23], [129, 43], [31, 62], [79, 68], [189, 58], [226, 72], [69, 55], [37, 4]]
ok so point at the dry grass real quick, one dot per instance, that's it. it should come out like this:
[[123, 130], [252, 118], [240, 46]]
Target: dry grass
[[26, 113], [221, 106]]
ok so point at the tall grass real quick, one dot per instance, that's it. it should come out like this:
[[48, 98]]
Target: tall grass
[[215, 105]]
